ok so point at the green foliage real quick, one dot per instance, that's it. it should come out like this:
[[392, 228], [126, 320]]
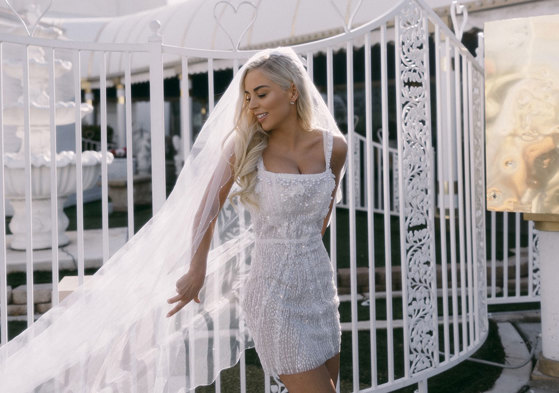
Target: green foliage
[[93, 132]]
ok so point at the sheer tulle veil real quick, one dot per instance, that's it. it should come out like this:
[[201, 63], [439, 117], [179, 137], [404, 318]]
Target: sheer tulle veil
[[111, 335]]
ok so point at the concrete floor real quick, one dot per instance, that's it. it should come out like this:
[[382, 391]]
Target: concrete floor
[[68, 255], [519, 332]]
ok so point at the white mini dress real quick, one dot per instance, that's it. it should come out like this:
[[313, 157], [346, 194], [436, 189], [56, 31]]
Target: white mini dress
[[290, 300]]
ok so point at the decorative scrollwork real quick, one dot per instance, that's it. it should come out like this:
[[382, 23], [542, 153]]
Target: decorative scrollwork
[[225, 4], [535, 244], [347, 22], [395, 182], [357, 164], [277, 386], [29, 13], [479, 194], [228, 223], [456, 9], [417, 177]]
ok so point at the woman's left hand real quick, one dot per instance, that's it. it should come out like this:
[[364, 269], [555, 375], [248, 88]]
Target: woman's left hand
[[188, 287]]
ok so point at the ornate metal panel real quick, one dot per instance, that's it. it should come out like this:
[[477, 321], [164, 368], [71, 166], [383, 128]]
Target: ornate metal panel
[[396, 181], [535, 244], [277, 386], [416, 179], [479, 195], [357, 166]]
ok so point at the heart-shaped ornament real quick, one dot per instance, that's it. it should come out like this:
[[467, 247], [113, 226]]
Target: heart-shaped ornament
[[456, 9], [348, 22], [29, 12], [221, 8]]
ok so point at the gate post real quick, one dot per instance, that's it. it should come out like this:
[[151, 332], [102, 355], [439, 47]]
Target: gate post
[[422, 386], [157, 120]]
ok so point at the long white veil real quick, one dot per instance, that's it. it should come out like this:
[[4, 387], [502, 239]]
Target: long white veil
[[111, 335]]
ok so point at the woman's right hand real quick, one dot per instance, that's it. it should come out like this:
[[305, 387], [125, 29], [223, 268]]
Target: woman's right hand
[[188, 287]]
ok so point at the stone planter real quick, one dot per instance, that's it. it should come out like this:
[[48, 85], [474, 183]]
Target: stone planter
[[117, 169], [141, 193], [65, 162]]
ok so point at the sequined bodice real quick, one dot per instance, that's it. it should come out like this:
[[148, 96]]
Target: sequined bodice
[[293, 206]]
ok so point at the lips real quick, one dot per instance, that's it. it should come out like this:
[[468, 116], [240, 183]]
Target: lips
[[261, 116]]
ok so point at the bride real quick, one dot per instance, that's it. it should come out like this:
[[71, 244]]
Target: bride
[[243, 230]]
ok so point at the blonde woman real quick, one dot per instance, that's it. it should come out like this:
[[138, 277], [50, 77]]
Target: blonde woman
[[288, 174], [266, 166]]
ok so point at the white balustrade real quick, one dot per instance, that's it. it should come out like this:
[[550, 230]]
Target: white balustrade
[[413, 189]]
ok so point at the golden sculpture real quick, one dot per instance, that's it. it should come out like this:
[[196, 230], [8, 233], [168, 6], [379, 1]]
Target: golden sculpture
[[522, 114]]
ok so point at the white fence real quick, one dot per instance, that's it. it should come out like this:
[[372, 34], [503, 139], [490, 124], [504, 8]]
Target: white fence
[[360, 157], [513, 273], [408, 205], [413, 213]]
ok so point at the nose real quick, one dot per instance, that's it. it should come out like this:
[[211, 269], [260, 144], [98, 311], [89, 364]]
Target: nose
[[252, 104]]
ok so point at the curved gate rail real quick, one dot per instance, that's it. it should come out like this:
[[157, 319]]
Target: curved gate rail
[[411, 231], [438, 257]]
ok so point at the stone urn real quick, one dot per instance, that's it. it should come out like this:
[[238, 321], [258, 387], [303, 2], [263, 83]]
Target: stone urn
[[41, 159]]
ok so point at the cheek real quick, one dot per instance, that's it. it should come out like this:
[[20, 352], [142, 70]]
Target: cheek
[[281, 106], [277, 101]]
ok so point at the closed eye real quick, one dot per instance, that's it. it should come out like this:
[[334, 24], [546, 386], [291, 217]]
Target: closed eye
[[247, 98]]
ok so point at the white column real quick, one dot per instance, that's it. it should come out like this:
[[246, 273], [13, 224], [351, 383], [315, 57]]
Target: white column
[[120, 115], [157, 117], [89, 118], [549, 271]]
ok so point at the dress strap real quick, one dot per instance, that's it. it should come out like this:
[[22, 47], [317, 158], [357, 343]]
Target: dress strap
[[328, 139]]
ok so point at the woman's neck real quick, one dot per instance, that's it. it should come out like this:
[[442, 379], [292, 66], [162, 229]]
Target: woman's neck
[[287, 134]]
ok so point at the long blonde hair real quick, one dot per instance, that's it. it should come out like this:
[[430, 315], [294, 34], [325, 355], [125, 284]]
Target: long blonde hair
[[251, 138]]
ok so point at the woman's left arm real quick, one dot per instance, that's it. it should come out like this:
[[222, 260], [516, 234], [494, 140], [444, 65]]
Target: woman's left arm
[[337, 162]]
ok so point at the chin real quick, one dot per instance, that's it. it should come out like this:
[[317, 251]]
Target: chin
[[266, 127]]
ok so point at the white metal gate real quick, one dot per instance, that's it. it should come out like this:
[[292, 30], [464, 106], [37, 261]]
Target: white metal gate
[[413, 214]]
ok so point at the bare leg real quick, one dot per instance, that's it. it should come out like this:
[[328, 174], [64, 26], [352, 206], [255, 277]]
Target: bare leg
[[319, 380], [333, 366]]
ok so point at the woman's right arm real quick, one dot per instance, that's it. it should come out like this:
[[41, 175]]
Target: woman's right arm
[[190, 284]]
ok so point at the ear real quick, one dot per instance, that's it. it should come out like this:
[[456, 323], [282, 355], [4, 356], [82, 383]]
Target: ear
[[294, 94]]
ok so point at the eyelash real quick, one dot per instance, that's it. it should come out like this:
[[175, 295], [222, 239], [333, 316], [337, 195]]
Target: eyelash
[[247, 99]]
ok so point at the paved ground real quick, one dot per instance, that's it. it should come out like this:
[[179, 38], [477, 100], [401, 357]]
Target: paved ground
[[519, 334], [68, 255]]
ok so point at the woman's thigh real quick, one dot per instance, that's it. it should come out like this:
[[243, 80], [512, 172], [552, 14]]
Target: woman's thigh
[[333, 366], [319, 380]]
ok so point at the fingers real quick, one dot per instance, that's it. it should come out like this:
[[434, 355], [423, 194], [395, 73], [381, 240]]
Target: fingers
[[182, 301], [174, 299], [177, 307]]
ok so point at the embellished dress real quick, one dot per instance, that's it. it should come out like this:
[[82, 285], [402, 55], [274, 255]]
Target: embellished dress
[[290, 301]]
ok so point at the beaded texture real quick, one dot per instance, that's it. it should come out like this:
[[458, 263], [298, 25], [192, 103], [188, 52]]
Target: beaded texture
[[290, 300]]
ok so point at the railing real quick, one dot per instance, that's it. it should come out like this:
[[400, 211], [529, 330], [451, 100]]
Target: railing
[[413, 206], [513, 259], [90, 144], [431, 253], [36, 56], [361, 191]]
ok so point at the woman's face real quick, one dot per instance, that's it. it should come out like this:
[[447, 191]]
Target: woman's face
[[268, 101]]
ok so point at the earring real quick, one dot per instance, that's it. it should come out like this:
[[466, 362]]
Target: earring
[[292, 102]]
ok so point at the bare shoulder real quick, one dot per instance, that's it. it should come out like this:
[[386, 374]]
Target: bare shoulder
[[339, 152]]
